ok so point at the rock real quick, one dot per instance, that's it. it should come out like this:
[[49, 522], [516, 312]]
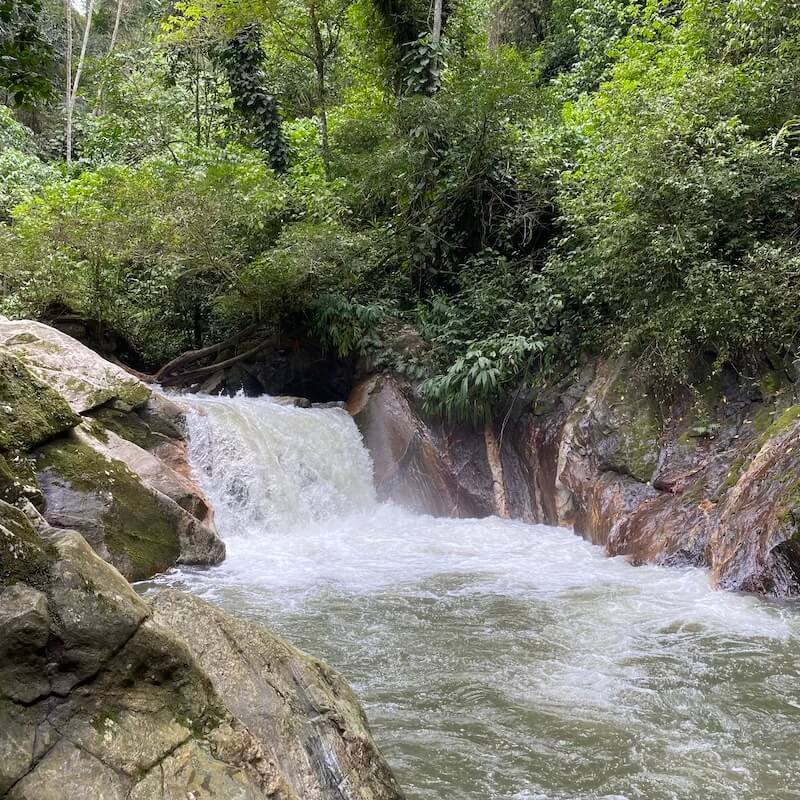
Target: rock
[[91, 483], [299, 709], [430, 471], [67, 773], [78, 374], [706, 479], [30, 411], [100, 698], [755, 545], [24, 627], [432, 467], [295, 402]]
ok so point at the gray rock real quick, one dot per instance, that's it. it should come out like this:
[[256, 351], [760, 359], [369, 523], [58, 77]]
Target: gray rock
[[302, 712], [78, 374], [103, 699], [131, 507], [24, 629]]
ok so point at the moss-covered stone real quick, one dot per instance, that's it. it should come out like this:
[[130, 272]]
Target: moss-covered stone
[[127, 425], [108, 504], [24, 555], [30, 411], [637, 425]]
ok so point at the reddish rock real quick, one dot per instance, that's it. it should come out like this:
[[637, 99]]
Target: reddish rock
[[710, 479]]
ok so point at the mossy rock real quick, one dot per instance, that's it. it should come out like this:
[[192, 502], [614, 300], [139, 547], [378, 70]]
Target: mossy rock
[[30, 411], [105, 501], [128, 425], [631, 428], [24, 556]]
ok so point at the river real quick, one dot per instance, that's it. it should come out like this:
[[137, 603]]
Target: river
[[496, 660]]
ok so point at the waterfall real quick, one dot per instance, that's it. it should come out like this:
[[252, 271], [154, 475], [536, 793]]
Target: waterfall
[[267, 466]]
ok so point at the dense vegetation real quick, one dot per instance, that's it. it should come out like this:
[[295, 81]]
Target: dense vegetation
[[475, 192]]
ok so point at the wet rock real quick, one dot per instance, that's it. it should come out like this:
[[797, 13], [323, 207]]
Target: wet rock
[[426, 467], [302, 711], [133, 510], [100, 698], [707, 479], [294, 402], [755, 543]]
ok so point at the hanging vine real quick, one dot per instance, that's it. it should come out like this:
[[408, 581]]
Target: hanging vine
[[242, 58]]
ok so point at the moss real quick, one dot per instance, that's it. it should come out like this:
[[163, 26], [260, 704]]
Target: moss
[[772, 383], [30, 411], [24, 555], [780, 424], [762, 419], [138, 536], [639, 426], [18, 478], [101, 719], [127, 425], [738, 468]]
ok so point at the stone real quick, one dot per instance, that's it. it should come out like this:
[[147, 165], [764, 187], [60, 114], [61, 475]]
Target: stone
[[125, 708], [69, 773], [425, 467], [78, 374], [302, 712], [24, 630], [31, 412], [118, 496]]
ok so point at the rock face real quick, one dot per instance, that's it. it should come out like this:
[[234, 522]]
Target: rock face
[[101, 697], [421, 464], [95, 451], [711, 478]]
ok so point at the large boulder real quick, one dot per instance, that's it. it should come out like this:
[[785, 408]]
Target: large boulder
[[92, 447], [78, 374], [305, 715], [30, 413], [136, 512], [100, 697]]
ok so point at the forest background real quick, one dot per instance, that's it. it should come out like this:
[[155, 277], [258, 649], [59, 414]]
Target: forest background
[[473, 193]]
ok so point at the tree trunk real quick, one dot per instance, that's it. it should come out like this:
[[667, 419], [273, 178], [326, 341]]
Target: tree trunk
[[68, 94], [84, 47], [114, 33], [98, 109], [322, 93], [74, 83], [436, 33]]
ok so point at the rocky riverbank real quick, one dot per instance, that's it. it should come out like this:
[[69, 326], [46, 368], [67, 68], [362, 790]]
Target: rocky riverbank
[[711, 478], [102, 693]]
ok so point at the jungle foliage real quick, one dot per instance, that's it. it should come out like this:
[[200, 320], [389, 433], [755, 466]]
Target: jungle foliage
[[508, 184]]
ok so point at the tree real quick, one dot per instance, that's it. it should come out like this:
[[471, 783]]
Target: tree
[[25, 55], [243, 56], [312, 30], [73, 83]]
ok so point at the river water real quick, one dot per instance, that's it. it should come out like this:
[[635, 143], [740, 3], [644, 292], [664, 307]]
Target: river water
[[496, 660]]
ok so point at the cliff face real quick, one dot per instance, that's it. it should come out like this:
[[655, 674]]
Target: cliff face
[[713, 480]]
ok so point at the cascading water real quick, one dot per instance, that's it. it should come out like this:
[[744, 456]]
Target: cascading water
[[496, 660]]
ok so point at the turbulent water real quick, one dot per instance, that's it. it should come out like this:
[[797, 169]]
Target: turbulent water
[[496, 660]]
